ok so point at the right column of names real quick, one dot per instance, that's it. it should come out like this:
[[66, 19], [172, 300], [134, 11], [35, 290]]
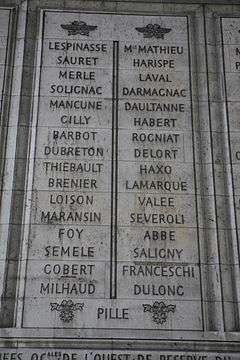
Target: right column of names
[[157, 241]]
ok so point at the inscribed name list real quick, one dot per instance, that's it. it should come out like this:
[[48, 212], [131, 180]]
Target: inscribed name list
[[113, 227]]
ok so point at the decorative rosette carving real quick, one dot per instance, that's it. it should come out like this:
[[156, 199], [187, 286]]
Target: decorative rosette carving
[[78, 27], [66, 309], [159, 311], [153, 30]]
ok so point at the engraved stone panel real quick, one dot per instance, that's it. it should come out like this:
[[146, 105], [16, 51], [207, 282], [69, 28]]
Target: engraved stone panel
[[119, 223], [111, 234]]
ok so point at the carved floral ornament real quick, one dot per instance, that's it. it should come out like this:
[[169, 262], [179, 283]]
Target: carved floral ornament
[[153, 30], [66, 309], [148, 31], [78, 27], [159, 311]]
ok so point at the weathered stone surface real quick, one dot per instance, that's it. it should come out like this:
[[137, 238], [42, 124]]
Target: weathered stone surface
[[4, 21], [130, 178], [119, 214], [75, 354], [4, 43]]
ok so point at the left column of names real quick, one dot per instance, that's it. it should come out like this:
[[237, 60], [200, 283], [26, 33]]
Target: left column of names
[[70, 217]]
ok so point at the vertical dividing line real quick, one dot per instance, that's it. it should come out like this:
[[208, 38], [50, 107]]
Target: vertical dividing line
[[114, 175], [116, 164]]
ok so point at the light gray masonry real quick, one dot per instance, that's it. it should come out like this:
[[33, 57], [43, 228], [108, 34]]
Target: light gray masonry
[[120, 190]]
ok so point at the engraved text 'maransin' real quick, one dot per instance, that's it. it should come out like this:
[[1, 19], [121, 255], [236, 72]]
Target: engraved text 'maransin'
[[70, 216]]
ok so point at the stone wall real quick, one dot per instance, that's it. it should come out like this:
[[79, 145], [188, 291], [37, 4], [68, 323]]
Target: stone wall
[[120, 201]]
